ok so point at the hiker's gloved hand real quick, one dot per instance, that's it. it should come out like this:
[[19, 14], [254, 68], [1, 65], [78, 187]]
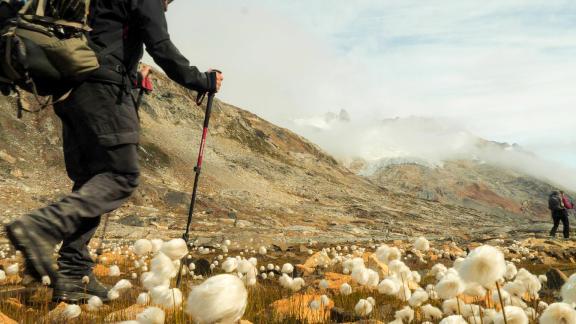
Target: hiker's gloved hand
[[216, 76]]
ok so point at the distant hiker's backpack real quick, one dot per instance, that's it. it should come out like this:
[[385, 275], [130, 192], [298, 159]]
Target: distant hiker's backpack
[[46, 45], [555, 203]]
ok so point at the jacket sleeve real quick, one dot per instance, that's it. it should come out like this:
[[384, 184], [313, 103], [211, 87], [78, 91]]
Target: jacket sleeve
[[154, 30]]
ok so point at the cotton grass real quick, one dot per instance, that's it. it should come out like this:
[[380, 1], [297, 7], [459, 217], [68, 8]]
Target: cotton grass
[[222, 298], [558, 313], [484, 265]]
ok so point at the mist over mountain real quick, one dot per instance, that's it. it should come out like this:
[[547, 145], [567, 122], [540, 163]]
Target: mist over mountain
[[426, 141]]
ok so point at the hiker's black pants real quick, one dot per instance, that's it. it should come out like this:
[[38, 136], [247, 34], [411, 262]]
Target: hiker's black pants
[[557, 217], [101, 157]]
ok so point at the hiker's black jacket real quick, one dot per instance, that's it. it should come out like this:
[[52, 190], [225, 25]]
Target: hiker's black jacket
[[124, 27]]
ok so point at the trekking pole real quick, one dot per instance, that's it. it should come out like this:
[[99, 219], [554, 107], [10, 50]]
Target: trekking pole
[[197, 170]]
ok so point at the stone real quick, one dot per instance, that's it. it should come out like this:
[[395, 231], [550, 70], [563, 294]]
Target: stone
[[339, 315], [380, 267], [556, 278], [7, 157], [296, 306]]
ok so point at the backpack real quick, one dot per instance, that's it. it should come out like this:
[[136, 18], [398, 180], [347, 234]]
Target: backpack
[[555, 203], [46, 45]]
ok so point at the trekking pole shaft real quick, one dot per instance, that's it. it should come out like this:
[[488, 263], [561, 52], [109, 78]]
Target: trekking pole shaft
[[197, 170]]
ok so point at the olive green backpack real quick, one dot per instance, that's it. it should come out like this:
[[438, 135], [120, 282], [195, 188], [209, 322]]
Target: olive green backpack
[[44, 49]]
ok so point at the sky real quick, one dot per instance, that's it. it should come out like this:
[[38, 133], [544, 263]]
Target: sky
[[503, 70]]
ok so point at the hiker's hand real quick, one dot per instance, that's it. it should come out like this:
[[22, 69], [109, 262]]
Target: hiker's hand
[[219, 78], [145, 71]]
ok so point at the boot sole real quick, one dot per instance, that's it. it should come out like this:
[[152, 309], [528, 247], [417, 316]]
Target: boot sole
[[28, 242], [73, 297]]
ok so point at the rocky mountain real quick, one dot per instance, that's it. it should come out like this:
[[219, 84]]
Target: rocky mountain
[[259, 181], [473, 183]]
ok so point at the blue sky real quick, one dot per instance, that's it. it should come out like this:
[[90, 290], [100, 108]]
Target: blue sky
[[501, 69]]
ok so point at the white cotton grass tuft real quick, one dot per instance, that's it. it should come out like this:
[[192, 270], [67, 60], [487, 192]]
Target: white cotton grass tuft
[[2, 275], [123, 284], [287, 268], [143, 247], [421, 244], [431, 313], [484, 265], [151, 315], [386, 254], [143, 299], [406, 314], [418, 298], [324, 300], [244, 266], [175, 249], [514, 315], [558, 313], [162, 266], [452, 306], [474, 289], [221, 298], [450, 286], [363, 308], [360, 275], [511, 271], [150, 280], [71, 311], [12, 269], [530, 282], [324, 284], [94, 303], [114, 271], [156, 245], [46, 281], [453, 319], [345, 289], [230, 265], [568, 290], [262, 250], [389, 286], [166, 297], [113, 294]]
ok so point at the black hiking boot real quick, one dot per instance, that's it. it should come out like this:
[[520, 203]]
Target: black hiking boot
[[73, 290], [36, 249]]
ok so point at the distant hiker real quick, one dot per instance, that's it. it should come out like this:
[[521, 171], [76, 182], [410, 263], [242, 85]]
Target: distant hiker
[[559, 214], [100, 139]]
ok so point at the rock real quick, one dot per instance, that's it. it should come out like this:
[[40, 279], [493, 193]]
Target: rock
[[556, 278], [7, 157], [282, 246], [133, 220], [202, 267], [339, 315], [176, 199], [317, 259], [376, 265], [297, 307], [335, 280]]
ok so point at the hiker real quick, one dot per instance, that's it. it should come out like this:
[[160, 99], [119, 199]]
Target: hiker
[[559, 214], [100, 139]]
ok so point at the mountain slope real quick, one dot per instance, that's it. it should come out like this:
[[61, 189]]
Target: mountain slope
[[259, 181]]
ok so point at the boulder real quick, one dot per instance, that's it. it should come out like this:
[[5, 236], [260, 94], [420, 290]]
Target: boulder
[[556, 278], [340, 315]]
